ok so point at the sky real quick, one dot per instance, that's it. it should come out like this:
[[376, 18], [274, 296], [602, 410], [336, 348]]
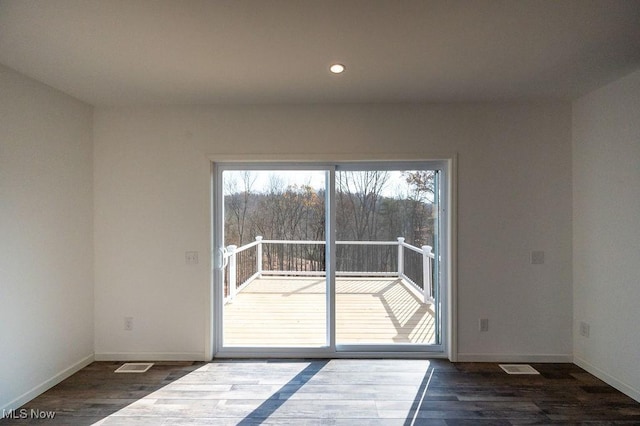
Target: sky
[[395, 186]]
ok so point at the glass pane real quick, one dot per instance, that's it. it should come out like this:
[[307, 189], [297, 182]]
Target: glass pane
[[275, 279], [385, 234]]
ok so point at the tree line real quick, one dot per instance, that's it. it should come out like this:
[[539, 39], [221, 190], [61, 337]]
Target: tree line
[[365, 210]]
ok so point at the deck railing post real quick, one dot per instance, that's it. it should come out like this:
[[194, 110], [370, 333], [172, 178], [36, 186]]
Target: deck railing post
[[400, 257], [426, 272], [259, 256], [232, 271]]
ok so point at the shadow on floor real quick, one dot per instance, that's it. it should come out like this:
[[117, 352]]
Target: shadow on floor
[[270, 405]]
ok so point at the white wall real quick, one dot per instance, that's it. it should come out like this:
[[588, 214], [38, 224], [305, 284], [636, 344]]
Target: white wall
[[152, 184], [606, 227], [46, 238]]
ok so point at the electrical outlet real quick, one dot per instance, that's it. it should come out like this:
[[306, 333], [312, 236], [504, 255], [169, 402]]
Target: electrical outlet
[[584, 329], [483, 324], [537, 257], [128, 323]]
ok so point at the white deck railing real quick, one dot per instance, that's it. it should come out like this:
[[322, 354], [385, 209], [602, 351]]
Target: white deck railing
[[235, 284]]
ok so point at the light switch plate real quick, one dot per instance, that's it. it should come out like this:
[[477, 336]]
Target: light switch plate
[[191, 257]]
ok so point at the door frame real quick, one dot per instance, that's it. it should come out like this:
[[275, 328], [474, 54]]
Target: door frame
[[448, 346]]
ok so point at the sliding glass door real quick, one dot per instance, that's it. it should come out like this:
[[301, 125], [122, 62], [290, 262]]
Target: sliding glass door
[[273, 258], [386, 228], [329, 258]]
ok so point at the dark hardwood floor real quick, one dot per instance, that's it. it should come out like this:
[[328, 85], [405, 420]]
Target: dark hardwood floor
[[333, 392]]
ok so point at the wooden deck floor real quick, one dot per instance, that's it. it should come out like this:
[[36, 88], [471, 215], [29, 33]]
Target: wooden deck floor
[[285, 311]]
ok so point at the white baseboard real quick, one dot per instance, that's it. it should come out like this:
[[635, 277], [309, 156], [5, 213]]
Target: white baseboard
[[150, 356], [609, 379], [46, 385], [564, 358]]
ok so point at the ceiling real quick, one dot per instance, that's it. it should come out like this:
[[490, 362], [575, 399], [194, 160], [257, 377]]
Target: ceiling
[[149, 52]]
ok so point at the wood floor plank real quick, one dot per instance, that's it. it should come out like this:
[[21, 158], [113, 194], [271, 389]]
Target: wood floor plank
[[331, 392]]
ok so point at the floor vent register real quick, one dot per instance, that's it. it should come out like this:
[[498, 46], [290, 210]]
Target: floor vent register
[[518, 369], [134, 367]]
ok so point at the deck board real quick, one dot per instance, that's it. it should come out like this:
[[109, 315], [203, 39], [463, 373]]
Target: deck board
[[290, 311]]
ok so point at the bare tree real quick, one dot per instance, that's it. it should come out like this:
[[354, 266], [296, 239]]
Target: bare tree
[[295, 212], [365, 212], [421, 198], [358, 201], [422, 183], [237, 202], [359, 193]]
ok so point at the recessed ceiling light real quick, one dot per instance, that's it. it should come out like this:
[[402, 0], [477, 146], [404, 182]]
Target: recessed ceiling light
[[337, 68]]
